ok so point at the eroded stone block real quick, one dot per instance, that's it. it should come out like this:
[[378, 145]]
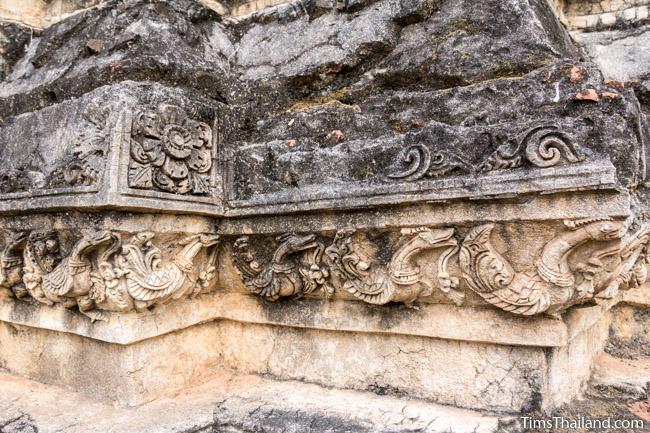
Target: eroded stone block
[[419, 198]]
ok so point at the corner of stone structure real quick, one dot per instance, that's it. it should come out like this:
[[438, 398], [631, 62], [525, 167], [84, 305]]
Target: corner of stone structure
[[374, 202]]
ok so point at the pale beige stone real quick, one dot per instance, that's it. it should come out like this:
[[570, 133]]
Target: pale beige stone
[[570, 366], [237, 398], [629, 375], [130, 375], [429, 320], [458, 373], [314, 343], [628, 327], [629, 14], [608, 19]]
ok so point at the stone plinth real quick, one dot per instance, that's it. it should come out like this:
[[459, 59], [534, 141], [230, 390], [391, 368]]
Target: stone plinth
[[421, 199], [473, 358]]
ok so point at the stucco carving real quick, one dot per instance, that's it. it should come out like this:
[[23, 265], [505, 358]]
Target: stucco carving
[[542, 146], [588, 260], [102, 273], [418, 161], [90, 148], [284, 274], [402, 280], [170, 152], [555, 285], [558, 279], [137, 276], [11, 261], [81, 166]]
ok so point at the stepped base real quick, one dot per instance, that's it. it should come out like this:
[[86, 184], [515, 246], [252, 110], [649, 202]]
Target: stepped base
[[628, 376], [630, 330], [232, 403], [464, 357]]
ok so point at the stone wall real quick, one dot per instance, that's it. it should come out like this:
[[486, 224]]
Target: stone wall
[[615, 35], [594, 14], [412, 197], [576, 14], [42, 13]]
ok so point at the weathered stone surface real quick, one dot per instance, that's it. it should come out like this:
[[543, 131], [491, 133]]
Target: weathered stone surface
[[236, 403], [629, 332], [595, 15], [429, 320], [609, 400], [58, 64], [13, 39], [631, 377], [107, 153], [617, 52], [274, 133], [171, 171], [489, 367], [42, 13], [570, 367]]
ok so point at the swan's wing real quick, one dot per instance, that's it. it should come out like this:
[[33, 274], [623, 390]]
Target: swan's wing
[[155, 285], [377, 289], [58, 282]]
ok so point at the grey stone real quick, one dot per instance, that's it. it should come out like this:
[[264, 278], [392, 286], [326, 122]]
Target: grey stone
[[617, 52], [13, 40], [361, 154]]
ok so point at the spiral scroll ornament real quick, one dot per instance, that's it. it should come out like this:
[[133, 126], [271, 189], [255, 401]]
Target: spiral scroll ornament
[[544, 146], [421, 162], [547, 146]]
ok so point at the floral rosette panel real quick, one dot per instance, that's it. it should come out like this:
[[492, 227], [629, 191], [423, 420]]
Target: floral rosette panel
[[170, 152]]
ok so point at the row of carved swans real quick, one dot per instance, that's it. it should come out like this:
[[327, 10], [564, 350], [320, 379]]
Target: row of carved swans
[[619, 263], [301, 264], [102, 272]]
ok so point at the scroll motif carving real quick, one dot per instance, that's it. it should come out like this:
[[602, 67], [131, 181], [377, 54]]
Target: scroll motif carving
[[555, 286], [543, 146], [90, 148], [402, 280], [419, 162], [100, 273], [284, 274], [82, 166], [170, 152]]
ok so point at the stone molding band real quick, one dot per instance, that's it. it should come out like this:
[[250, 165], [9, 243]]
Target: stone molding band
[[589, 260]]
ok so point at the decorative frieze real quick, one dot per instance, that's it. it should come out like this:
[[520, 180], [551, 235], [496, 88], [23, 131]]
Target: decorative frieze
[[612, 261], [103, 273], [555, 285], [588, 260], [283, 275], [401, 280]]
